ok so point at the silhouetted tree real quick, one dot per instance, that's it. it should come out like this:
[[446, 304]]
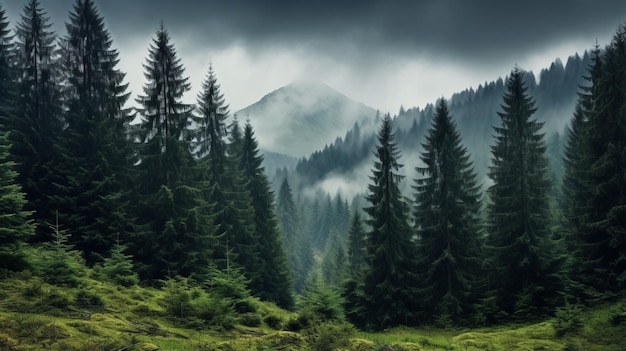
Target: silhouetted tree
[[522, 258], [274, 280], [447, 205], [389, 285], [176, 219]]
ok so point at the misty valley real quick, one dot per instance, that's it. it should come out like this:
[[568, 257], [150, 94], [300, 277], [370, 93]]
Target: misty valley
[[490, 220]]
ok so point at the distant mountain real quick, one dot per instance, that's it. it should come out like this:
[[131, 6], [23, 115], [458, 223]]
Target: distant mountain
[[303, 117], [347, 161]]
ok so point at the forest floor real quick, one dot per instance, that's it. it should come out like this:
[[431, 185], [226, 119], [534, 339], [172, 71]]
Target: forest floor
[[102, 316]]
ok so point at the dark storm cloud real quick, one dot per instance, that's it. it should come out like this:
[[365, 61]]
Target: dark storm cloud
[[476, 30]]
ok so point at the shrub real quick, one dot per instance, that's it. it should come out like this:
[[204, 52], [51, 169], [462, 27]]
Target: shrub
[[88, 298], [119, 268], [177, 300], [304, 320], [567, 319], [246, 305], [329, 336], [616, 317], [250, 320], [216, 312], [273, 322]]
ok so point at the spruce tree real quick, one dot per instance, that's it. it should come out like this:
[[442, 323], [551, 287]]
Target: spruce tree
[[275, 282], [522, 260], [577, 192], [356, 247], [447, 205], [176, 219], [6, 65], [15, 225], [389, 285], [94, 154], [227, 188], [37, 121], [297, 245], [603, 245]]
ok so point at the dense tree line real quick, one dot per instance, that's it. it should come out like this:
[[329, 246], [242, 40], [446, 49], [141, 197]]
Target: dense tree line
[[452, 269], [183, 192], [171, 197]]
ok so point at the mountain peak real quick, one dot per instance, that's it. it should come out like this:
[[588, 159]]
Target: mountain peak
[[303, 117]]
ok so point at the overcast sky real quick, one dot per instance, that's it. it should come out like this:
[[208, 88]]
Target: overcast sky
[[382, 53]]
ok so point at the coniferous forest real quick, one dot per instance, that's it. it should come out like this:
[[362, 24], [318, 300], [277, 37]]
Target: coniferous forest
[[172, 200]]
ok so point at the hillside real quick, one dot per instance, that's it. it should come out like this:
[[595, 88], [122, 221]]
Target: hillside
[[475, 113], [303, 117], [97, 315]]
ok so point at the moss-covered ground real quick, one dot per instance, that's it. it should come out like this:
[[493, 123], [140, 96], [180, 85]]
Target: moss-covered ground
[[102, 316]]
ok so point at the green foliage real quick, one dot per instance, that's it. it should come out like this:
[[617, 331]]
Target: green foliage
[[601, 249], [274, 281], [250, 319], [119, 268], [568, 319], [177, 299], [91, 160], [390, 281], [177, 233], [520, 255], [296, 244], [15, 225], [329, 336], [273, 322], [322, 302], [447, 205], [59, 263], [88, 298], [37, 121], [356, 247]]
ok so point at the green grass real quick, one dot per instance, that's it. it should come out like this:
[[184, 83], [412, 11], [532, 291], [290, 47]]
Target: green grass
[[102, 316]]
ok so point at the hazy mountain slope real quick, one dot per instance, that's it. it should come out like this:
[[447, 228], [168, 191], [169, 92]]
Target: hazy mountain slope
[[474, 111], [303, 117]]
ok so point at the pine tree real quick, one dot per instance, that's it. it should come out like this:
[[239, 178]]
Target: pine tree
[[227, 188], [523, 266], [6, 63], [389, 285], [603, 245], [356, 247], [38, 120], [95, 153], [447, 205], [275, 282], [119, 267], [177, 221], [297, 246], [60, 263], [577, 192], [15, 225]]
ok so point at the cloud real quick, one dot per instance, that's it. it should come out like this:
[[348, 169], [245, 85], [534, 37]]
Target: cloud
[[382, 53]]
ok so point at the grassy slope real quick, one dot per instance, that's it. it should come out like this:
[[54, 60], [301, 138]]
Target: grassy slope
[[38, 316]]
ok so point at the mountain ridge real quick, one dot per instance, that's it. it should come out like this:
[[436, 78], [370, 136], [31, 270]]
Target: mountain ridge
[[303, 116]]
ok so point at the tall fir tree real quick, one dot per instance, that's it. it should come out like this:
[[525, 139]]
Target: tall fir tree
[[296, 243], [227, 188], [389, 283], [275, 282], [356, 247], [603, 245], [95, 153], [175, 217], [447, 206], [37, 121], [524, 269], [6, 65], [15, 225]]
